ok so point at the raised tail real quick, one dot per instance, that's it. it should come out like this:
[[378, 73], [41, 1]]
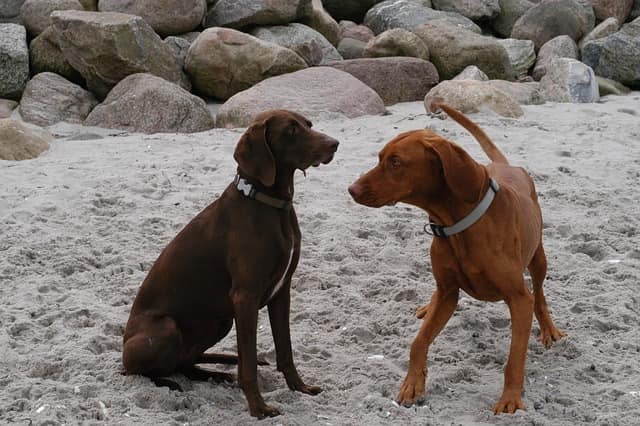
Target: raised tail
[[487, 145]]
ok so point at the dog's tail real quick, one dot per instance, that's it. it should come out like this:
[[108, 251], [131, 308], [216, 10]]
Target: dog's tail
[[487, 145]]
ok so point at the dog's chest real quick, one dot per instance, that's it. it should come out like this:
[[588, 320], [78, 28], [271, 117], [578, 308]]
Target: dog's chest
[[278, 286]]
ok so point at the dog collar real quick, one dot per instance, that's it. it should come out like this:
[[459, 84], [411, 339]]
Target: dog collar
[[470, 219], [249, 190]]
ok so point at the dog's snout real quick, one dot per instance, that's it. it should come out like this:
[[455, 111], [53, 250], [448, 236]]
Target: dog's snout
[[355, 190], [333, 144]]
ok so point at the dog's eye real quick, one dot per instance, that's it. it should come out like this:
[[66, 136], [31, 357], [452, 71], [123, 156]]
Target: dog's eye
[[395, 162], [293, 128]]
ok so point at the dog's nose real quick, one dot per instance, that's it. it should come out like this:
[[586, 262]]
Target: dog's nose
[[333, 144], [355, 190]]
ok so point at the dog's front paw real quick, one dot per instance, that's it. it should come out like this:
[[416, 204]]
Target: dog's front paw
[[309, 390], [509, 403], [412, 390], [551, 334], [263, 410]]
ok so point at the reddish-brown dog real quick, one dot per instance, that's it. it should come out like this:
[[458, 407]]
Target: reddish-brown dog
[[235, 257], [487, 259]]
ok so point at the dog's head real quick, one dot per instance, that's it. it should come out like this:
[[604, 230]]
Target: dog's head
[[280, 140], [414, 167]]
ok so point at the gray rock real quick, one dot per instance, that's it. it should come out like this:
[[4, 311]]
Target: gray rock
[[410, 14], [452, 49], [45, 56], [558, 47], [521, 54], [611, 87], [105, 47], [619, 9], [603, 29], [222, 62], [395, 79], [50, 98], [244, 13], [190, 37], [349, 29], [474, 10], [510, 12], [316, 17], [6, 107], [10, 10], [350, 48], [635, 10], [396, 42], [14, 60], [616, 56], [166, 17], [19, 141], [472, 73], [352, 10], [470, 96], [149, 104], [179, 46], [89, 5], [309, 44], [523, 93], [569, 80], [36, 14], [318, 92]]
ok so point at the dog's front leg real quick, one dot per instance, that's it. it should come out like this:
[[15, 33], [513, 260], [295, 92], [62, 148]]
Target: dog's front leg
[[245, 308], [279, 318]]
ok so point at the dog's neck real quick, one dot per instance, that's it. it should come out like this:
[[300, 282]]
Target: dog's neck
[[282, 187]]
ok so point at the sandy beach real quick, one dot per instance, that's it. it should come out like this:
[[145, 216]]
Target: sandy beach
[[81, 225]]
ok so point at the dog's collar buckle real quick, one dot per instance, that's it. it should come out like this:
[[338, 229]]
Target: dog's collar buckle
[[248, 189], [245, 187]]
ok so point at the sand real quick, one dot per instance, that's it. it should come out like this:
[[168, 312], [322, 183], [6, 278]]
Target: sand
[[81, 225]]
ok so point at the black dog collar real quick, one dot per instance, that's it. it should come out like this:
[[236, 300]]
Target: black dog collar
[[249, 190]]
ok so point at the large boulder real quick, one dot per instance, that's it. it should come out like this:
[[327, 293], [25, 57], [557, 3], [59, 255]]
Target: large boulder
[[45, 56], [21, 142], [619, 9], [309, 44], [410, 14], [471, 96], [10, 10], [510, 12], [149, 104], [318, 92], [527, 93], [319, 19], [616, 56], [351, 48], [395, 79], [471, 73], [105, 47], [607, 86], [36, 14], [603, 29], [246, 13], [452, 49], [50, 98], [352, 10], [475, 10], [635, 10], [349, 29], [6, 107], [558, 47], [166, 17], [14, 60], [222, 62], [179, 46], [551, 18], [569, 80], [396, 42], [521, 53]]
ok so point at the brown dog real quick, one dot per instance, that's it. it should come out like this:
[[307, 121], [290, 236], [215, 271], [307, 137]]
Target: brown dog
[[488, 230], [235, 257]]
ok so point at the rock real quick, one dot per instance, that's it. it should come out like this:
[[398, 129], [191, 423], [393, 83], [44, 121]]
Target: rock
[[474, 10], [319, 19], [605, 28], [452, 49], [396, 42], [45, 56], [36, 14], [352, 10], [522, 93], [510, 12], [472, 73], [190, 37], [395, 79], [635, 10], [14, 60], [558, 47], [21, 142], [50, 98], [349, 29], [149, 104], [611, 87], [619, 9], [89, 5], [105, 47], [469, 96], [222, 62], [10, 10], [166, 17], [309, 44], [179, 46], [569, 80], [551, 18], [314, 92], [410, 14], [350, 48], [245, 13], [6, 107], [521, 54]]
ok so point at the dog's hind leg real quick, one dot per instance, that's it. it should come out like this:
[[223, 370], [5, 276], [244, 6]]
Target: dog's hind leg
[[538, 270]]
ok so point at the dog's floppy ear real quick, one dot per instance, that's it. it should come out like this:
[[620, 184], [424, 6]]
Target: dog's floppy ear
[[461, 172], [254, 156]]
